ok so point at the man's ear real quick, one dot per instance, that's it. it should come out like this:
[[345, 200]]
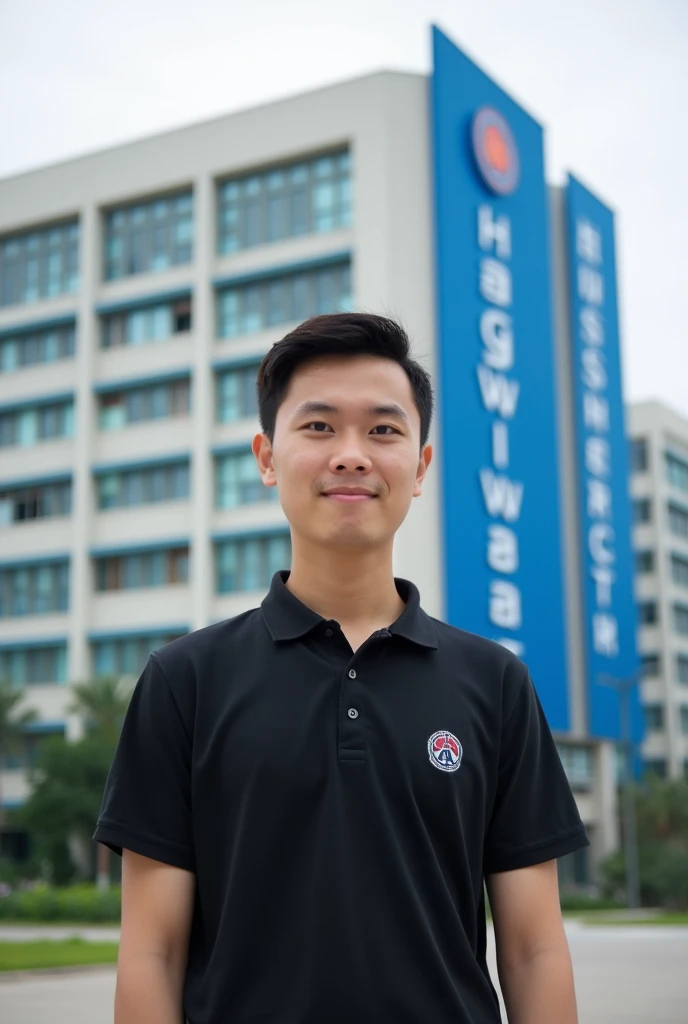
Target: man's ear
[[423, 463], [262, 450]]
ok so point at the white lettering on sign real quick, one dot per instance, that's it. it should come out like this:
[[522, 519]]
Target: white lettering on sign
[[498, 392], [505, 604], [500, 444], [495, 281], [599, 499], [494, 234], [502, 549], [498, 339], [595, 412], [595, 420], [503, 497]]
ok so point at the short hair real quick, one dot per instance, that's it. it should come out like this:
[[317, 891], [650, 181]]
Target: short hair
[[339, 334]]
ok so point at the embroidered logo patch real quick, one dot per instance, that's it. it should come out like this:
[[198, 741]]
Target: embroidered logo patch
[[445, 751]]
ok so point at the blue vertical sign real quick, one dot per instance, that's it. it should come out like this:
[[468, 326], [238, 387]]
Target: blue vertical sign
[[500, 476], [602, 456]]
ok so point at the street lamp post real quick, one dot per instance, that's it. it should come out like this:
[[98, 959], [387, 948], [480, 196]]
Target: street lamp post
[[624, 687]]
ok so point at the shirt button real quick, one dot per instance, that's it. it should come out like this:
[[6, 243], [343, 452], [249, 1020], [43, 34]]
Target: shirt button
[[328, 632], [352, 673], [353, 713]]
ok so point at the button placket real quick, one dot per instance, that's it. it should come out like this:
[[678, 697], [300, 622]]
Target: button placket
[[351, 738]]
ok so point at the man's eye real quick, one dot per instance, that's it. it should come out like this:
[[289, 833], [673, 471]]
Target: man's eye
[[386, 426], [316, 424]]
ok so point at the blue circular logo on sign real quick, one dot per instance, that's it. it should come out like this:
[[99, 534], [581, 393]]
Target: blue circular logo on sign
[[494, 148]]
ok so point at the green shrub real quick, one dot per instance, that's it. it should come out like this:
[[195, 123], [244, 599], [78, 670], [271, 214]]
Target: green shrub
[[582, 901], [74, 903]]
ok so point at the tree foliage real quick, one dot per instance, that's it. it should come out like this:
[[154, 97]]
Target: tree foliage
[[13, 723], [662, 822]]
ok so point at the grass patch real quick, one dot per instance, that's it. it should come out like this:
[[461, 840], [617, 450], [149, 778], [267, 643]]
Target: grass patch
[[678, 919], [22, 956]]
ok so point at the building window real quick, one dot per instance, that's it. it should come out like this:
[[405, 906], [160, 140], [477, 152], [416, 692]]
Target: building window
[[639, 460], [647, 612], [679, 570], [644, 561], [26, 666], [654, 717], [677, 472], [578, 765], [297, 199], [34, 589], [295, 296], [682, 669], [30, 425], [642, 510], [236, 394], [678, 521], [148, 323], [126, 655], [149, 237], [684, 719], [238, 482], [159, 568], [650, 664], [39, 502], [39, 264], [655, 766], [145, 486], [681, 619], [249, 563], [43, 345], [119, 409]]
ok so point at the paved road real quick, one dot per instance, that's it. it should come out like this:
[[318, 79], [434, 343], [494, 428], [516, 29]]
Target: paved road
[[631, 975]]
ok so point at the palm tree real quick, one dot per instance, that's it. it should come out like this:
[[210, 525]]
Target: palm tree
[[13, 725], [102, 703]]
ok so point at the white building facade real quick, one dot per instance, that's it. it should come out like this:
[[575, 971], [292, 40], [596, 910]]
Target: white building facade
[[659, 446], [139, 289]]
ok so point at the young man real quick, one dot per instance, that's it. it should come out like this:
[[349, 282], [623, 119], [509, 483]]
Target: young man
[[310, 795]]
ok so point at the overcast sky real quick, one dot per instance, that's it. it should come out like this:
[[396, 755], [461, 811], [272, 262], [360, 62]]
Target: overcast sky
[[607, 78]]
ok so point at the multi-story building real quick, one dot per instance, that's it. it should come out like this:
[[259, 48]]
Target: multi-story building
[[659, 485], [141, 286]]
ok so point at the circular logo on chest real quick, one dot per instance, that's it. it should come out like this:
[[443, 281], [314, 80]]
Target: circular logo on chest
[[445, 751]]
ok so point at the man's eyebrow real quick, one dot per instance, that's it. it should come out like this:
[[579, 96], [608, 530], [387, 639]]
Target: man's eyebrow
[[389, 409]]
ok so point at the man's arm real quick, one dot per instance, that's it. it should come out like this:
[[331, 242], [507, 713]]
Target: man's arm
[[533, 958], [157, 907]]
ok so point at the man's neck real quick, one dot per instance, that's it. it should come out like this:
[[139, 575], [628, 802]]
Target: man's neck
[[356, 591]]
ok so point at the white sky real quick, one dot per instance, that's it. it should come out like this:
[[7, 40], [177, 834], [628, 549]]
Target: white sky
[[608, 79]]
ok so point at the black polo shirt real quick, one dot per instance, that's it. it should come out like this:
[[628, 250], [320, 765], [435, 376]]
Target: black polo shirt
[[339, 810]]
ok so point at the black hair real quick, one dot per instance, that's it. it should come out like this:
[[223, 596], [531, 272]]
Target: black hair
[[339, 334]]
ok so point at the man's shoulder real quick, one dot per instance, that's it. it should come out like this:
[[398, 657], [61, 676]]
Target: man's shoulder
[[202, 646], [477, 653]]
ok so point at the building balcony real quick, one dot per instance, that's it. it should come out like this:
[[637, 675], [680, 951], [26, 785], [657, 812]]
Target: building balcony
[[144, 440], [127, 362], [118, 527], [29, 382], [132, 609], [21, 462], [26, 628], [31, 538]]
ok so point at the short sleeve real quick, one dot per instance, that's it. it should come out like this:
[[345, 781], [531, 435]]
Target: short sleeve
[[534, 816], [147, 801]]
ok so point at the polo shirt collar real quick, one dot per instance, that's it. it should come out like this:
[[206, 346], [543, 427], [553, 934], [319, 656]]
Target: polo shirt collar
[[287, 618]]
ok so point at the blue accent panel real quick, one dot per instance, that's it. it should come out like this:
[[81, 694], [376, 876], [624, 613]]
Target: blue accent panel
[[38, 400], [500, 468], [106, 386], [230, 448], [45, 727], [12, 803], [148, 463], [327, 260], [602, 456], [237, 362], [141, 301], [140, 548], [128, 634], [36, 481], [250, 531], [33, 642], [37, 325], [47, 559]]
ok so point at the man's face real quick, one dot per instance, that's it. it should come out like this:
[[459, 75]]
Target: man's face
[[346, 424]]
